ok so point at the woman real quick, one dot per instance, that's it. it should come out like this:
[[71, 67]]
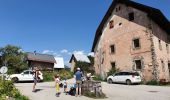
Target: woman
[[35, 76]]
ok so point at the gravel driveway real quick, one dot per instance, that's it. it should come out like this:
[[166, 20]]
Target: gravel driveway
[[46, 91]]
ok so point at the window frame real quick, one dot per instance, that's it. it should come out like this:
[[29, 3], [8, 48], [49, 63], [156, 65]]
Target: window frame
[[133, 42], [136, 64], [111, 24], [131, 16], [113, 45]]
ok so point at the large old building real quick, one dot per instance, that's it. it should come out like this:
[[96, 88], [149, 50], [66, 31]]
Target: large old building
[[133, 37], [42, 61]]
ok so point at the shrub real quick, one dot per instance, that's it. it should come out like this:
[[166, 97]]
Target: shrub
[[98, 78], [153, 82], [49, 76], [8, 90], [112, 71]]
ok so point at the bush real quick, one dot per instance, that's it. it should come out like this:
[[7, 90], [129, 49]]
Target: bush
[[153, 82], [49, 76], [112, 71], [99, 78], [8, 90]]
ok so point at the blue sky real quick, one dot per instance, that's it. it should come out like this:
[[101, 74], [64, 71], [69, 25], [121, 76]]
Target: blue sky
[[58, 27]]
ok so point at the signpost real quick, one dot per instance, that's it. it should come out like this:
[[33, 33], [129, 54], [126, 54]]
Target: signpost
[[3, 70]]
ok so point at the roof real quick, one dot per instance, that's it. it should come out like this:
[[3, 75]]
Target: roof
[[80, 57], [59, 62], [41, 57], [153, 13]]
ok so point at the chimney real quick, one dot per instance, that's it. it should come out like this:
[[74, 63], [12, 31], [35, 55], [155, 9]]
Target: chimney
[[35, 52]]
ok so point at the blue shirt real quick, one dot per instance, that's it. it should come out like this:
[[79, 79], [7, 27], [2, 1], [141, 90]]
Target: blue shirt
[[78, 75]]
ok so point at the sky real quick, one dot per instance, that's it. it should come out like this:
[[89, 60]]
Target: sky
[[57, 27]]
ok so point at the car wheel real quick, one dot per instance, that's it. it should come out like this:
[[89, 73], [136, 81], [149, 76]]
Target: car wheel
[[15, 79], [128, 82], [110, 81]]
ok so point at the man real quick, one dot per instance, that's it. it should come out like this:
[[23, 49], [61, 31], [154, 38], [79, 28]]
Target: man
[[78, 76], [35, 75]]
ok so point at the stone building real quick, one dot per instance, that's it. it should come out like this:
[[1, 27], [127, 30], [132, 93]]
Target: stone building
[[78, 57], [42, 61], [133, 37]]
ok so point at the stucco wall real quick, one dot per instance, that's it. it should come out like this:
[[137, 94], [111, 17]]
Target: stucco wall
[[121, 36]]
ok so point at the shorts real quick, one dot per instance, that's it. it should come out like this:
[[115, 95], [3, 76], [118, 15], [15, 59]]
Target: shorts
[[78, 83], [65, 86], [35, 80], [57, 88]]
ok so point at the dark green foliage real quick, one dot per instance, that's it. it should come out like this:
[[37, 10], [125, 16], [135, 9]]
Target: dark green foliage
[[98, 78], [153, 82], [13, 58], [7, 89], [49, 76], [85, 67], [112, 71]]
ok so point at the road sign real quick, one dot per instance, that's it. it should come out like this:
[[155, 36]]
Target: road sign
[[3, 69]]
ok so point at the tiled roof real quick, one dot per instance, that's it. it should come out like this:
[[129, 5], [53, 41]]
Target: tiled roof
[[41, 57], [80, 57]]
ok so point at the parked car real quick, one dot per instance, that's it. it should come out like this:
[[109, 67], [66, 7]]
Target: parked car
[[26, 75], [125, 77]]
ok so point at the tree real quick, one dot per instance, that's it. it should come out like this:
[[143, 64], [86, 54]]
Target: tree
[[13, 58]]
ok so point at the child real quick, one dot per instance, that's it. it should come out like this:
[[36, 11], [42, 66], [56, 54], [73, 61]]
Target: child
[[57, 82], [65, 86]]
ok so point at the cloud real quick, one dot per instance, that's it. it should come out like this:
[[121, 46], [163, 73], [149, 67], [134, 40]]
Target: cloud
[[64, 51], [78, 52], [51, 53], [47, 51], [91, 54]]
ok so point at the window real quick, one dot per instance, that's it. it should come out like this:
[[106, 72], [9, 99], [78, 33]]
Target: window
[[131, 16], [119, 8], [167, 48], [111, 24], [112, 48], [138, 64], [116, 10], [136, 43], [163, 65], [113, 64], [26, 72], [169, 67], [160, 46]]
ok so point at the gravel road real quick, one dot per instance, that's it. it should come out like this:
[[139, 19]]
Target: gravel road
[[46, 91]]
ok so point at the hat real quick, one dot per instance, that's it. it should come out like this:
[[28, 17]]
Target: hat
[[78, 68]]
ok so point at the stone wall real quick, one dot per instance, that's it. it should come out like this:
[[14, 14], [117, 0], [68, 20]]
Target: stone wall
[[121, 36]]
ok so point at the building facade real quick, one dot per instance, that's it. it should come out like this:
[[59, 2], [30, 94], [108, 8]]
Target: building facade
[[42, 61], [133, 37]]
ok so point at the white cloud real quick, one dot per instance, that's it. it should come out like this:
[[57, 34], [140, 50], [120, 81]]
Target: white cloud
[[51, 53], [47, 51], [91, 54], [78, 52], [64, 51]]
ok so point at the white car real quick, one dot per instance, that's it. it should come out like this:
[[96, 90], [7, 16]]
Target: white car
[[125, 77], [26, 75]]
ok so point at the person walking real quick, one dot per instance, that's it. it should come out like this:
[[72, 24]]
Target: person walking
[[57, 85], [36, 77], [78, 76]]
